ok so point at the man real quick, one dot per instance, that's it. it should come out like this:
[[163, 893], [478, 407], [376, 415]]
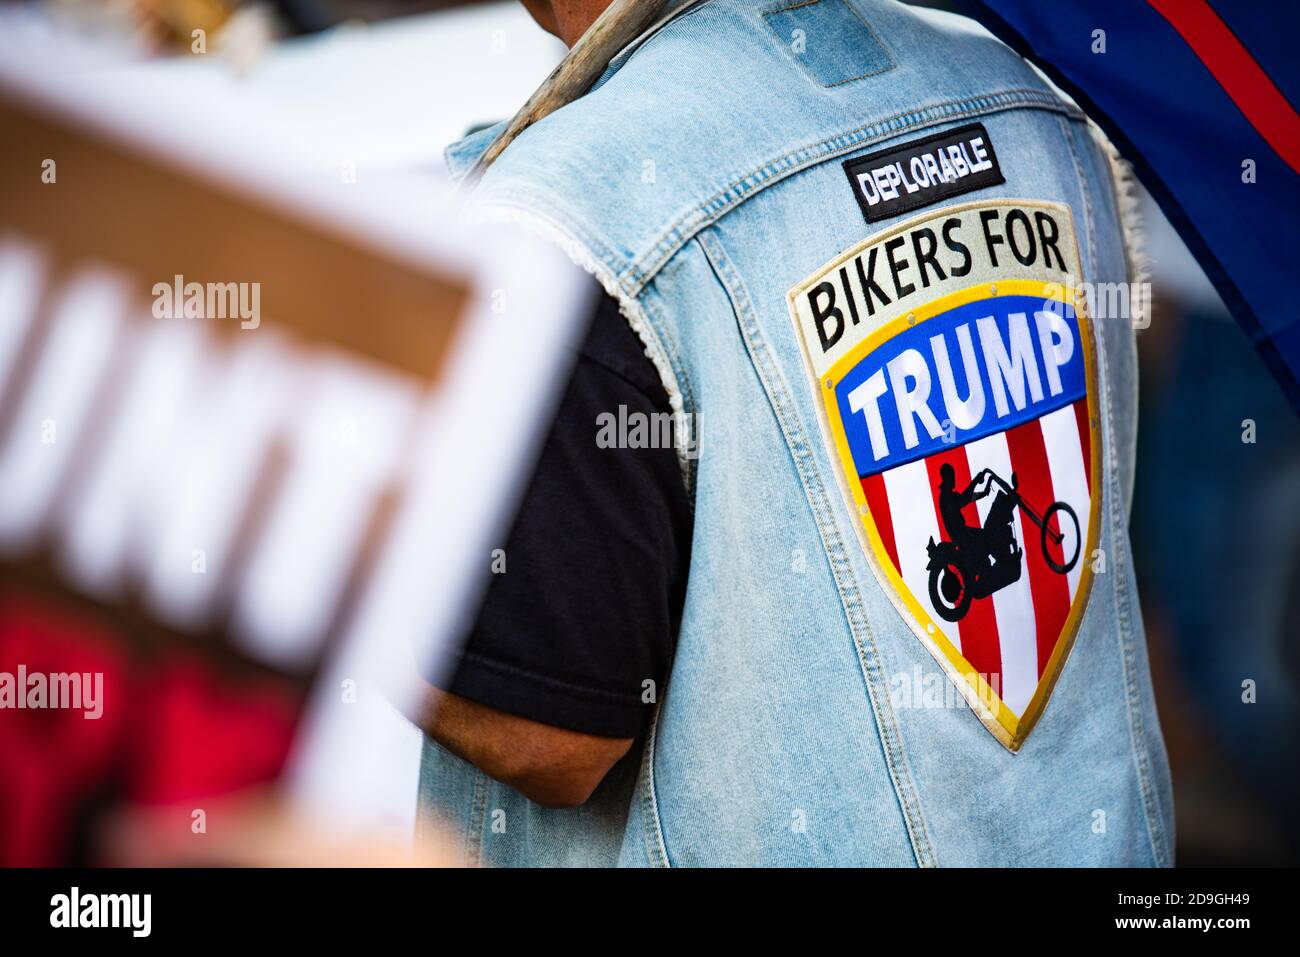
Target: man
[[952, 502], [846, 235]]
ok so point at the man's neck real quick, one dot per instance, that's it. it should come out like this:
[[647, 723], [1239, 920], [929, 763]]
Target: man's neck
[[573, 17]]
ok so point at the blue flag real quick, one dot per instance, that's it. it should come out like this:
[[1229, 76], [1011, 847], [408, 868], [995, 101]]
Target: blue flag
[[1198, 96]]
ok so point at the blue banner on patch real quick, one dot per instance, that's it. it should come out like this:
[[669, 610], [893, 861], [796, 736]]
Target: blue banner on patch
[[974, 370]]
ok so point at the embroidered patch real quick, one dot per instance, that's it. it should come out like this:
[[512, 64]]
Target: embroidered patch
[[955, 379], [916, 174]]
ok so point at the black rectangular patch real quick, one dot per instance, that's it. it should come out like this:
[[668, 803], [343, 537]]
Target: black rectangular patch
[[922, 172]]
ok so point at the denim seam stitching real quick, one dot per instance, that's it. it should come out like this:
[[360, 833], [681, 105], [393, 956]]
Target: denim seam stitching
[[673, 350], [1089, 220], [678, 233], [837, 557], [1123, 613], [477, 819], [668, 342], [656, 846]]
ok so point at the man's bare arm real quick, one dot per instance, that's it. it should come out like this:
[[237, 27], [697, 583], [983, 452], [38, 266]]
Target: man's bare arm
[[550, 766]]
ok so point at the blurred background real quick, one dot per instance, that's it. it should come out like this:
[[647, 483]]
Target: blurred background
[[386, 85], [1216, 540]]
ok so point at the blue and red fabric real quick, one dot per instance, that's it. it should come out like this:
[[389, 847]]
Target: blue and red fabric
[[1193, 93]]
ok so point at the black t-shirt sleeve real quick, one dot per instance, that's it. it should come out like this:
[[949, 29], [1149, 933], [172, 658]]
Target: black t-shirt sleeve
[[588, 607]]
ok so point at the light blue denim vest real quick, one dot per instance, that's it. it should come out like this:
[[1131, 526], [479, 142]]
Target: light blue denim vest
[[700, 181]]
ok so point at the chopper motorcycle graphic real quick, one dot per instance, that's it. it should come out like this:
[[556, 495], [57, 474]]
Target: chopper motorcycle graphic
[[977, 561]]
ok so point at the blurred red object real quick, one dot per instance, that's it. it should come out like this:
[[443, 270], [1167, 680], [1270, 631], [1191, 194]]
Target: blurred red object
[[54, 762], [170, 729], [196, 734]]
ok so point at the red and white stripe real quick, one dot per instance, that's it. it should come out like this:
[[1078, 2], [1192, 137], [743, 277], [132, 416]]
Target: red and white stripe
[[1010, 635]]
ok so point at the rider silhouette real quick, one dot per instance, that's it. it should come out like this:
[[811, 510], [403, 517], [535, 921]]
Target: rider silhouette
[[982, 542], [951, 503]]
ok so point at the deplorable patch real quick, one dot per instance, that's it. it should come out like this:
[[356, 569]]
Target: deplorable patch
[[953, 366], [916, 174]]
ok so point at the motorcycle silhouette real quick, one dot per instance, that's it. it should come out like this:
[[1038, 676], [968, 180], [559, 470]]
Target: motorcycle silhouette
[[976, 562]]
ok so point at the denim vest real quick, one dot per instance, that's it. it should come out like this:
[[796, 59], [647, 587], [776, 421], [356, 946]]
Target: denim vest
[[711, 181]]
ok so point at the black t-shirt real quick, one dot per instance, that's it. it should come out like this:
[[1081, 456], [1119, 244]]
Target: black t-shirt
[[588, 607]]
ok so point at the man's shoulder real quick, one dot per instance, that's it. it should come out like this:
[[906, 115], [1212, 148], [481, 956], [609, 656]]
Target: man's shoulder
[[732, 96]]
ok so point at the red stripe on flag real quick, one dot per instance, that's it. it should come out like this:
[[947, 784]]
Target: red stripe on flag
[[1085, 440], [873, 486], [1239, 73], [979, 628], [1051, 592]]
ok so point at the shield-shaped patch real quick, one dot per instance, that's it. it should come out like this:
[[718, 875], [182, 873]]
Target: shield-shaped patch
[[955, 376]]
